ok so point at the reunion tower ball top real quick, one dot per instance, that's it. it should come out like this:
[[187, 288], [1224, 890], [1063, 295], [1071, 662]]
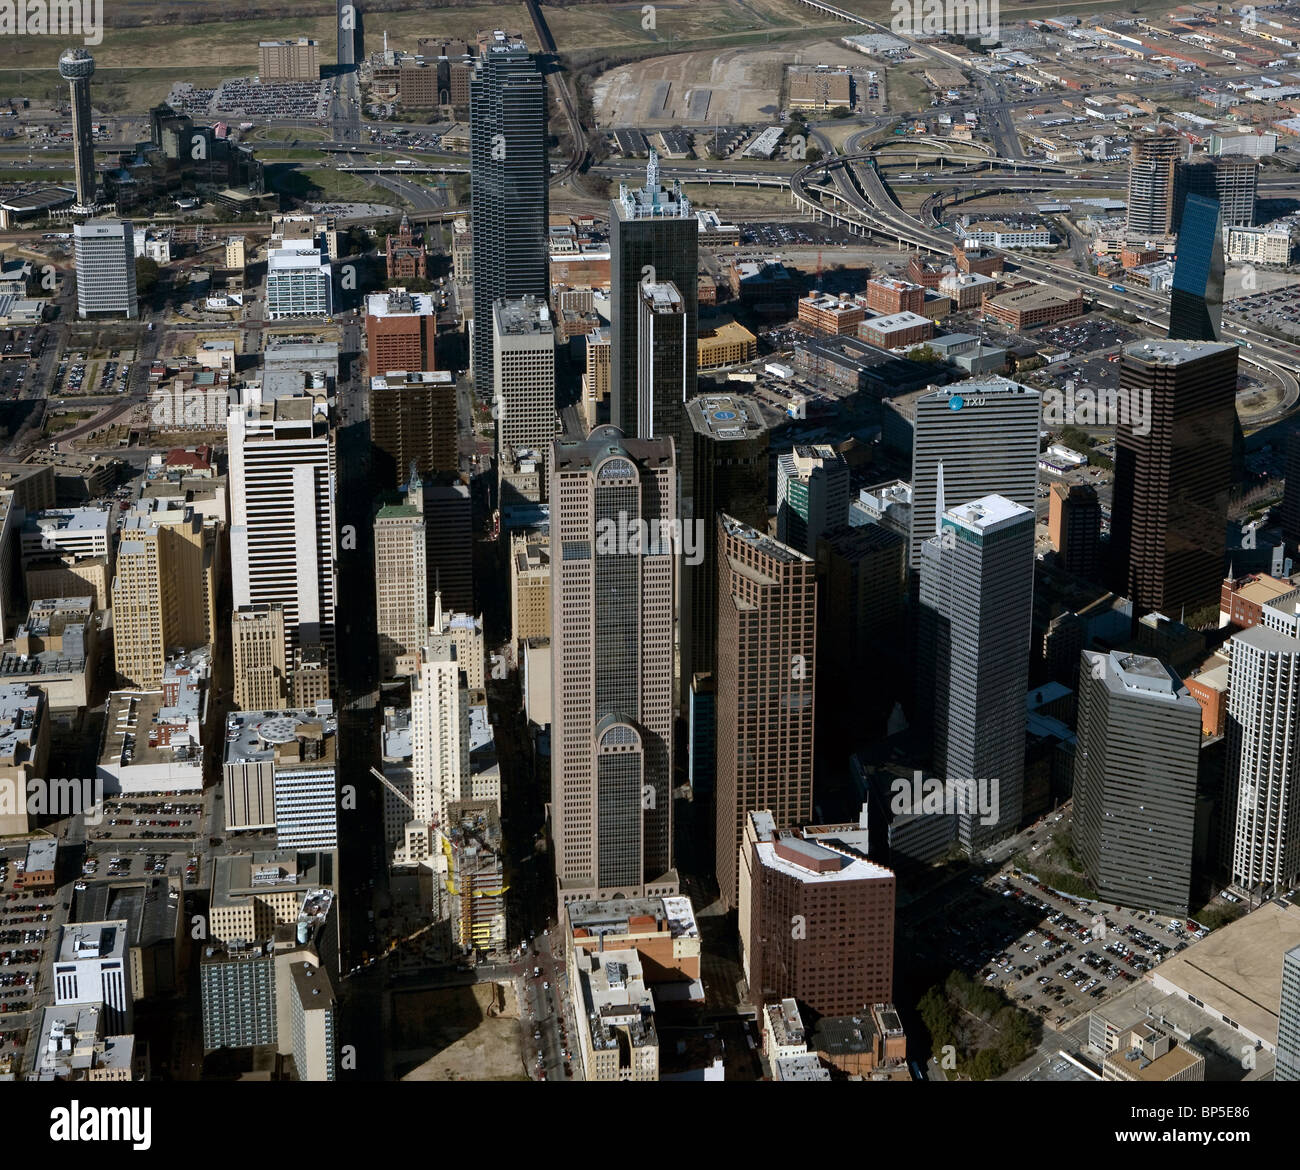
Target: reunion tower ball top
[[75, 64]]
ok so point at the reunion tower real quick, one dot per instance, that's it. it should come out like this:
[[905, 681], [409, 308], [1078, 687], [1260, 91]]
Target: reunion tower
[[76, 67]]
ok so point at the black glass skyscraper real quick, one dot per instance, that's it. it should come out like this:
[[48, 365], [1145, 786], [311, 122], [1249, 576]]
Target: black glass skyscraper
[[1196, 301], [509, 187], [654, 238]]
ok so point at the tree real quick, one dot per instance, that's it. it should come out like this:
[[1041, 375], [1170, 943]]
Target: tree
[[146, 274], [813, 155]]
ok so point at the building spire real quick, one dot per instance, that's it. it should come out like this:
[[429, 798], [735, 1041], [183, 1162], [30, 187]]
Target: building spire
[[652, 176]]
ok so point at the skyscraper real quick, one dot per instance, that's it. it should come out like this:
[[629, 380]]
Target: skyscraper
[[401, 584], [1196, 298], [812, 495], [1153, 160], [767, 643], [523, 365], [1262, 786], [282, 513], [1291, 496], [449, 521], [414, 422], [1135, 767], [1074, 524], [257, 649], [509, 188], [76, 67], [612, 500], [985, 433], [661, 363], [976, 597], [105, 259], [653, 238], [1173, 472], [400, 331], [1230, 179], [439, 734], [729, 465], [816, 917], [159, 589]]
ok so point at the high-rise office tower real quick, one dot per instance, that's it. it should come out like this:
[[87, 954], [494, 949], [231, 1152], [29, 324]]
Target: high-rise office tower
[[523, 377], [613, 505], [440, 766], [1153, 160], [1173, 471], [400, 331], [1230, 179], [1262, 786], [414, 422], [985, 434], [653, 238], [401, 584], [105, 260], [448, 519], [729, 465], [261, 671], [509, 187], [1291, 495], [282, 513], [862, 585], [1288, 1020], [159, 589], [1074, 525], [764, 681], [661, 390], [76, 67], [314, 1026], [812, 495], [976, 597], [1135, 766], [816, 917], [1196, 298]]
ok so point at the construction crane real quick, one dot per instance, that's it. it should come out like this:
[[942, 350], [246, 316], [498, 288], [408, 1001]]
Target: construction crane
[[397, 792]]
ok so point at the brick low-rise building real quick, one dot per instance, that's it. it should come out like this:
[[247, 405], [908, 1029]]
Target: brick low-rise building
[[836, 315], [1024, 308], [887, 294], [896, 330]]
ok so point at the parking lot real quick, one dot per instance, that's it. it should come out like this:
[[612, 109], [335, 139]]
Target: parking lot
[[1051, 954], [29, 927], [776, 234], [145, 818], [138, 863], [1277, 308]]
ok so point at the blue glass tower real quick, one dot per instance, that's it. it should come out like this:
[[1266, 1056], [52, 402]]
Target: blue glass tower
[[1196, 301]]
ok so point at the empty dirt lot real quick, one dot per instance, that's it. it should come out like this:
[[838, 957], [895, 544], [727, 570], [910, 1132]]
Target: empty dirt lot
[[448, 1035], [724, 87]]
